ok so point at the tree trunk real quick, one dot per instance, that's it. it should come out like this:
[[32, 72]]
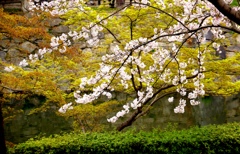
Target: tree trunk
[[130, 120], [3, 148]]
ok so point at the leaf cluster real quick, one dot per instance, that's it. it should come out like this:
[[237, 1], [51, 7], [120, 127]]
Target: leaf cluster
[[19, 26], [91, 117]]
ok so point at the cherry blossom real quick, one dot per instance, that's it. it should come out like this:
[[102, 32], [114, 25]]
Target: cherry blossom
[[65, 107], [9, 68], [23, 63], [170, 99]]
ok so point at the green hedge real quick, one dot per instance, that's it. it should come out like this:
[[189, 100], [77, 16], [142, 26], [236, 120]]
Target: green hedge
[[210, 139]]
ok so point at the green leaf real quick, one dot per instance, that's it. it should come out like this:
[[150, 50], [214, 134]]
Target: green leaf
[[234, 3]]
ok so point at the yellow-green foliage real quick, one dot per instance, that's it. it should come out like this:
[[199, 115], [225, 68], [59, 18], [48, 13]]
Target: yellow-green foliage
[[54, 77], [91, 117], [18, 26], [131, 24], [222, 76]]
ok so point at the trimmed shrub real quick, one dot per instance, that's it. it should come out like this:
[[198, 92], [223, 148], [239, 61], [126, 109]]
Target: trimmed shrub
[[205, 140]]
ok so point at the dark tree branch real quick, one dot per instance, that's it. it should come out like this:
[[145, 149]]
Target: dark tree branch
[[152, 103], [227, 10], [130, 120], [138, 113], [3, 148]]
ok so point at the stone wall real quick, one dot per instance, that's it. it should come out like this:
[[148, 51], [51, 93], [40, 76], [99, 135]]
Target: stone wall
[[12, 4], [212, 110], [25, 126], [22, 123], [14, 50]]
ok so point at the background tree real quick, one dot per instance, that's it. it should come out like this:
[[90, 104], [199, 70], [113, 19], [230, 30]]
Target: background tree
[[15, 26], [52, 78]]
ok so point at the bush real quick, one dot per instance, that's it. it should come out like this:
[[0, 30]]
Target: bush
[[205, 140]]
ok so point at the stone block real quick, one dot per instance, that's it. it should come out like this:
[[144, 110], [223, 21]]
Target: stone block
[[31, 131], [54, 22], [161, 120], [238, 111], [238, 39], [231, 113], [17, 40], [167, 111], [81, 44], [5, 43], [28, 46], [233, 104], [233, 119], [233, 48], [15, 60], [13, 53], [121, 97], [148, 121], [3, 55], [60, 29], [230, 54]]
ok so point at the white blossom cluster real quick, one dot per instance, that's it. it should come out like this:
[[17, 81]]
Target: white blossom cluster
[[60, 43], [57, 43], [66, 107], [119, 114], [199, 87], [140, 3], [9, 68], [106, 72], [91, 34], [137, 102], [56, 7], [115, 65]]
